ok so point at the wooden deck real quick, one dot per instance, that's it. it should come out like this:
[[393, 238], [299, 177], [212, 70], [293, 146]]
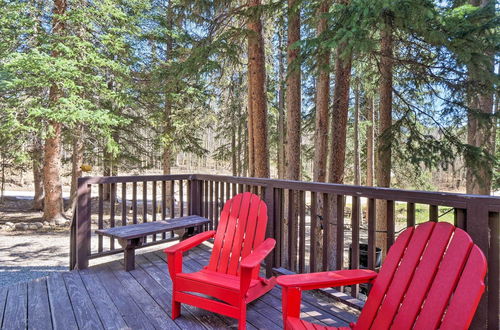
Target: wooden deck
[[107, 297]]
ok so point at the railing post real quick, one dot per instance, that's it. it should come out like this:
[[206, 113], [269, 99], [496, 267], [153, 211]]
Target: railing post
[[269, 200], [476, 224], [83, 224], [494, 272], [195, 197]]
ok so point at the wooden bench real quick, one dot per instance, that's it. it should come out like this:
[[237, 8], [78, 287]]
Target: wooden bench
[[132, 236]]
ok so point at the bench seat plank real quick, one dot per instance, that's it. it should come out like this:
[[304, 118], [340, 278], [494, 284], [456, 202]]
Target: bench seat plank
[[155, 227]]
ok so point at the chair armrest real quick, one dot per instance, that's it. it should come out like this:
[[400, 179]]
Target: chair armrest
[[260, 253], [327, 279], [250, 264], [190, 243]]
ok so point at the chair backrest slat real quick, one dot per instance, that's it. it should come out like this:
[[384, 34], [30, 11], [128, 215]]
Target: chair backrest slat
[[465, 298], [445, 281], [242, 227], [423, 277], [429, 272], [379, 287]]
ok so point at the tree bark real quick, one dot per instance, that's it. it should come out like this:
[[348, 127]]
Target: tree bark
[[481, 132], [281, 108], [293, 94], [357, 167], [384, 145], [322, 102], [339, 116], [370, 139], [257, 93], [53, 205], [77, 162], [167, 147], [37, 158], [320, 157]]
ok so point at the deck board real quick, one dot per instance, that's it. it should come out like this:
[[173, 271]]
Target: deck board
[[16, 311], [107, 297], [38, 305], [83, 309], [107, 310], [61, 310], [3, 300]]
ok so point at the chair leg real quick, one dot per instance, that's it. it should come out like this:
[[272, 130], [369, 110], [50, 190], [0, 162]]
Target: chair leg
[[176, 309], [242, 321]]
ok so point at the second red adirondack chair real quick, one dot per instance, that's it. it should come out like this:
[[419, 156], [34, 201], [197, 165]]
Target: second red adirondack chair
[[232, 274], [432, 278]]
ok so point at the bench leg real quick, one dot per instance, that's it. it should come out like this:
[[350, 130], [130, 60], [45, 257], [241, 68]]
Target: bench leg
[[129, 251], [129, 258]]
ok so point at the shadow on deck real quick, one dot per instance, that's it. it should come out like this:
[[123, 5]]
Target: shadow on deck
[[107, 297]]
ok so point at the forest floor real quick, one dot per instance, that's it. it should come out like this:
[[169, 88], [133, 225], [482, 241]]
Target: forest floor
[[29, 254]]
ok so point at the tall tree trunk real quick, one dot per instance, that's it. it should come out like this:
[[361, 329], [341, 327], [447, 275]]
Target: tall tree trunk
[[76, 163], [257, 93], [293, 94], [480, 132], [321, 123], [384, 145], [281, 108], [37, 158], [357, 167], [322, 101], [339, 116], [167, 147], [370, 141], [53, 205]]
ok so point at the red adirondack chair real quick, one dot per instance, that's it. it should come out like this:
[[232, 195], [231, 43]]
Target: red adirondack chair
[[432, 278], [232, 274]]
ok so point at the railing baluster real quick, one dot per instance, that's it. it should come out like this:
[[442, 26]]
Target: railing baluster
[[211, 203], [163, 204], [124, 204], [205, 199], [228, 191], [326, 230], [277, 227], [145, 204], [144, 201], [155, 206], [312, 231], [433, 213], [302, 231], [340, 233], [390, 224], [292, 231], [134, 202], [217, 211], [410, 214], [181, 197], [371, 232], [100, 215], [172, 200], [355, 223], [188, 192], [459, 218], [112, 198]]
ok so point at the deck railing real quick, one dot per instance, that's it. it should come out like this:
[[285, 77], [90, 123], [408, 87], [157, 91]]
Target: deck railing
[[304, 220]]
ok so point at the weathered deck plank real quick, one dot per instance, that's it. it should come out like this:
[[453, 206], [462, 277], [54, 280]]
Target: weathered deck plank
[[3, 300], [108, 313], [16, 315], [38, 305], [61, 310], [126, 304], [85, 312], [107, 297], [156, 315]]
